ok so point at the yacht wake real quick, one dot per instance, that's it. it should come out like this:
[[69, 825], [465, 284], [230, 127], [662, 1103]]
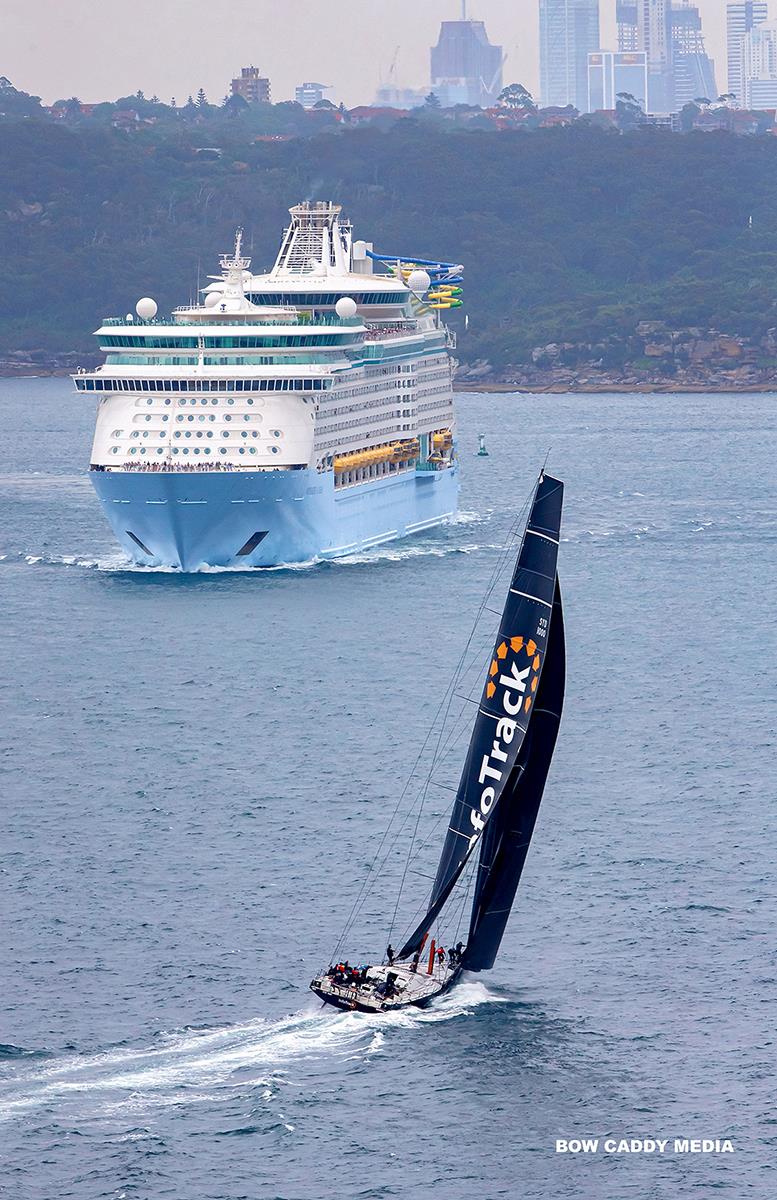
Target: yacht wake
[[187, 1066]]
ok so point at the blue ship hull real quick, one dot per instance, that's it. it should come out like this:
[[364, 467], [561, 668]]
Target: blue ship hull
[[263, 518]]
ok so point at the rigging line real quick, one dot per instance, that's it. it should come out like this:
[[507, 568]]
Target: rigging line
[[499, 566], [426, 742], [429, 737]]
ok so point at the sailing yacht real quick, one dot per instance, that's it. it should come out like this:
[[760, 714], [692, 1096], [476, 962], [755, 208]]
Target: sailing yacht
[[500, 790]]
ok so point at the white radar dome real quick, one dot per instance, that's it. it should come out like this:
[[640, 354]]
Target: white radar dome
[[419, 282], [345, 307], [146, 308], [212, 299]]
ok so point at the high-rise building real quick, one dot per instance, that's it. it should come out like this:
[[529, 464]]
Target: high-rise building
[[670, 33], [569, 32], [465, 67], [626, 16], [310, 94], [252, 86], [612, 74], [693, 72], [741, 18], [759, 66], [655, 38]]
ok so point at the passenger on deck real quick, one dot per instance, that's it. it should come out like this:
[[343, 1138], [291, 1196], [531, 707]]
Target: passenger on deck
[[440, 955], [414, 963], [390, 954]]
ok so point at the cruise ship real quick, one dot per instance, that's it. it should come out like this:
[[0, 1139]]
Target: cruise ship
[[300, 414]]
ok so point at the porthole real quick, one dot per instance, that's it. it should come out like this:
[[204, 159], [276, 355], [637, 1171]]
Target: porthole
[[227, 417], [188, 433], [135, 433], [275, 432], [274, 449], [253, 450], [179, 418], [210, 433], [225, 435], [190, 418], [223, 450], [206, 450], [199, 433], [230, 400], [203, 402], [117, 433], [246, 418], [196, 450], [168, 402], [133, 450], [160, 450], [185, 451], [244, 434], [242, 449], [250, 401], [165, 417], [148, 418], [114, 449], [149, 402], [214, 403], [192, 403]]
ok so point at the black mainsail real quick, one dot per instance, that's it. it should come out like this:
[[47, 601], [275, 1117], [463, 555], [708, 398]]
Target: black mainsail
[[505, 843], [501, 784]]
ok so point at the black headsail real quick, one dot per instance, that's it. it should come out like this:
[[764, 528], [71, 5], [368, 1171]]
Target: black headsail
[[510, 691], [505, 843]]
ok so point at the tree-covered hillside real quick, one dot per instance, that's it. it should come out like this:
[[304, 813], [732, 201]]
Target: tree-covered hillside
[[567, 235]]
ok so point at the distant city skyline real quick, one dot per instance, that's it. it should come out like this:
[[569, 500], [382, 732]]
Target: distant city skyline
[[103, 50]]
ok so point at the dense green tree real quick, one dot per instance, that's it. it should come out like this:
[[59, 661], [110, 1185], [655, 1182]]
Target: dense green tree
[[516, 96], [567, 235]]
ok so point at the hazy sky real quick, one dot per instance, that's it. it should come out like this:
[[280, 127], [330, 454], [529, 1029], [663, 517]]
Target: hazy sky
[[102, 49]]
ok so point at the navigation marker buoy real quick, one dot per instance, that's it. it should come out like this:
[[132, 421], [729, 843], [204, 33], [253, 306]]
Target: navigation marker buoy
[[482, 452]]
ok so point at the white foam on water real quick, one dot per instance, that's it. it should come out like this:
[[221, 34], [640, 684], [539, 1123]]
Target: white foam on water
[[194, 1067]]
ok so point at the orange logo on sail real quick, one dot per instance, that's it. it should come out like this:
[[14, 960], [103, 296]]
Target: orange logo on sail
[[517, 645]]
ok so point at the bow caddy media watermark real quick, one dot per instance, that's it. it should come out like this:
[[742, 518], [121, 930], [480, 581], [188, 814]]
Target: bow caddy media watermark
[[614, 1145]]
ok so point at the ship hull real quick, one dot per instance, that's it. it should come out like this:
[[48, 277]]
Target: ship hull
[[192, 520]]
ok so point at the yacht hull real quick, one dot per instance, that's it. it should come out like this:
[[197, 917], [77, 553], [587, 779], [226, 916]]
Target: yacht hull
[[414, 990], [195, 520]]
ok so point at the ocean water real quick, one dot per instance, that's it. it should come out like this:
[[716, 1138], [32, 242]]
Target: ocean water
[[196, 772]]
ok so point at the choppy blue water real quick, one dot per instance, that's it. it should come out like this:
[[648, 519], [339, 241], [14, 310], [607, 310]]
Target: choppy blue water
[[196, 770]]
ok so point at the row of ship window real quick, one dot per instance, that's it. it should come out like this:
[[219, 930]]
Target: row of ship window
[[209, 342], [314, 299], [388, 432], [194, 450], [187, 433], [200, 385]]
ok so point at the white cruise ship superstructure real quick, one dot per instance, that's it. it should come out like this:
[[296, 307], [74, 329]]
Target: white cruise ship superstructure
[[303, 413]]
